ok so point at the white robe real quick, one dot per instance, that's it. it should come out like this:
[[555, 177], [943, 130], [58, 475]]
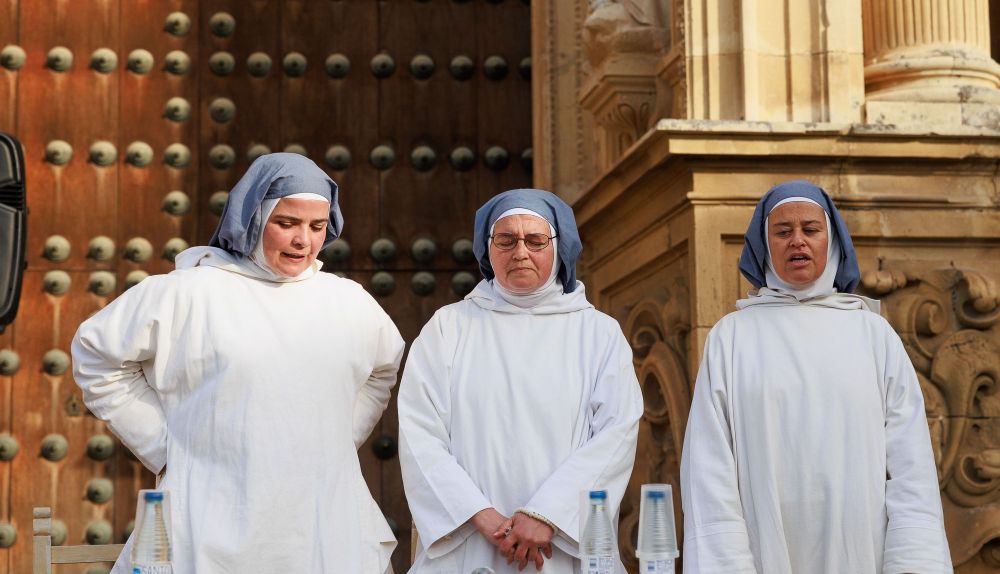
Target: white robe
[[807, 449], [254, 397], [506, 407]]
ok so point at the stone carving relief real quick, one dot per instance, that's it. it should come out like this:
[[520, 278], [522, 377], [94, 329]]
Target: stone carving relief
[[624, 41], [658, 330], [624, 26], [949, 321]]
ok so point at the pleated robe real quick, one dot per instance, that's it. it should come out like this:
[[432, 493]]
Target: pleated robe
[[506, 407], [807, 448], [252, 397]]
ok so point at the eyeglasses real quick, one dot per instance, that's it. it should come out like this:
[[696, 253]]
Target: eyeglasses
[[533, 241]]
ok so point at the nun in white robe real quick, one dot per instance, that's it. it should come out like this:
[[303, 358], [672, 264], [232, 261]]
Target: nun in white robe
[[807, 449], [251, 392], [515, 402]]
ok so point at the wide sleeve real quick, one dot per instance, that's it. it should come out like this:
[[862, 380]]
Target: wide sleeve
[[915, 539], [441, 494], [373, 396], [109, 351], [715, 533], [605, 460]]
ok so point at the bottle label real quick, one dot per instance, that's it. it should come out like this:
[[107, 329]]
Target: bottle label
[[656, 567], [153, 569], [600, 565]]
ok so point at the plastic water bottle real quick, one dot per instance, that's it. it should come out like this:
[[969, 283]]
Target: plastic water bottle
[[598, 537], [657, 547], [151, 551]]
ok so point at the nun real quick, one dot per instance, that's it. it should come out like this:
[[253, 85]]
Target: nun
[[514, 401], [807, 448], [247, 380]]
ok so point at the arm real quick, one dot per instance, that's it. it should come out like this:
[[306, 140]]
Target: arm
[[605, 460], [373, 396], [715, 533], [915, 538], [108, 352], [441, 494]]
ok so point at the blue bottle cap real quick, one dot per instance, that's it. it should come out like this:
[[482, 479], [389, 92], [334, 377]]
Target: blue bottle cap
[[655, 494], [154, 495], [598, 494]]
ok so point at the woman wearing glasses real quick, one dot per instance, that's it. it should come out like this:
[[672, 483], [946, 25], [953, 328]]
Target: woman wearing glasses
[[515, 400]]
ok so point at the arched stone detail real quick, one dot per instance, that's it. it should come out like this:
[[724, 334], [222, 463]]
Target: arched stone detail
[[658, 329]]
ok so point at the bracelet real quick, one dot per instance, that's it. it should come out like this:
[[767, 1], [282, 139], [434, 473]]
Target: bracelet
[[538, 517]]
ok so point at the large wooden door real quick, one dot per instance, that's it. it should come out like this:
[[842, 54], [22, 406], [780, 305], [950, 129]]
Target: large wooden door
[[420, 110]]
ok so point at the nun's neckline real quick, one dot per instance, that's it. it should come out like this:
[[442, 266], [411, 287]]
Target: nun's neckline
[[842, 301], [554, 301], [207, 256]]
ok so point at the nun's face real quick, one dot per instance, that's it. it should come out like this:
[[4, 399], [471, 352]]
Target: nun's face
[[799, 239], [519, 269], [294, 234]]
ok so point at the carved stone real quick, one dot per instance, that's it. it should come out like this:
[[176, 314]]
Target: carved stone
[[622, 99], [623, 41], [949, 320], [657, 329]]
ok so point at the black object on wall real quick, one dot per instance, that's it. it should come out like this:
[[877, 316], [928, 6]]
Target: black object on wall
[[13, 226]]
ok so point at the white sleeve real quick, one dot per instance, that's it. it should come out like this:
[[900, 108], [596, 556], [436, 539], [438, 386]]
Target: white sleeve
[[109, 351], [915, 539], [605, 460], [715, 533], [441, 494], [373, 396]]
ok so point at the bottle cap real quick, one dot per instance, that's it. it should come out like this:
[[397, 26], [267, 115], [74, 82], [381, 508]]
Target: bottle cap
[[598, 494], [154, 495]]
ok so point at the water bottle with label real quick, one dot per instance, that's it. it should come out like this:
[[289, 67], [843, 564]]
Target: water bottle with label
[[151, 549], [598, 548]]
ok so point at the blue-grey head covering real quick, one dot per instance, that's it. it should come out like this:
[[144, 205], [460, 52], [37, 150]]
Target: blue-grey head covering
[[272, 176], [752, 262], [549, 206]]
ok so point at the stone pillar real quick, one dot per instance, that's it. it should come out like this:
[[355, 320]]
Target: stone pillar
[[774, 60], [927, 62]]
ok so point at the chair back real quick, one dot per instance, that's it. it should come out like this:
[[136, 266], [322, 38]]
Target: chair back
[[45, 555]]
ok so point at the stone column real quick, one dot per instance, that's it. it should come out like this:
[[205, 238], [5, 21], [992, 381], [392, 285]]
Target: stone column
[[928, 62]]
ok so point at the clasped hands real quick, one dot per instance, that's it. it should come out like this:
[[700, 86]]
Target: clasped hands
[[520, 538]]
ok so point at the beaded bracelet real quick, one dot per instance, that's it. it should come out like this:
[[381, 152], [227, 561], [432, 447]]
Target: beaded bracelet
[[538, 517]]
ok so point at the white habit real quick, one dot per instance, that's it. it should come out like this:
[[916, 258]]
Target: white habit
[[253, 396], [507, 407], [807, 449]]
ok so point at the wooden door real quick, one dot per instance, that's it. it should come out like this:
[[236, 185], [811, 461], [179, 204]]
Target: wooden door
[[420, 110]]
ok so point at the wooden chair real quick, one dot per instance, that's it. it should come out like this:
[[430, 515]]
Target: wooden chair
[[45, 555]]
